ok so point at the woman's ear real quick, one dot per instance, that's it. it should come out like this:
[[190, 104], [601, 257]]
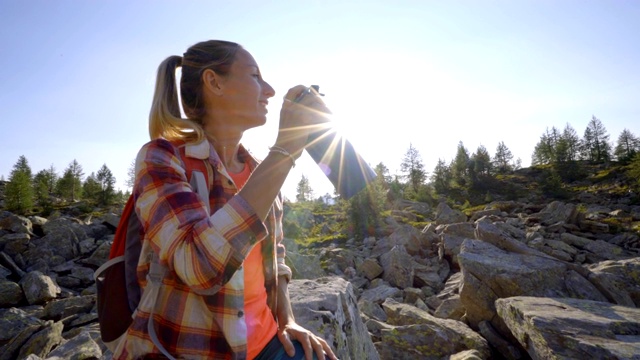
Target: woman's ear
[[212, 82]]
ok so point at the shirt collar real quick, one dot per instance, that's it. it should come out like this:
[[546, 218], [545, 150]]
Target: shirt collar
[[204, 149]]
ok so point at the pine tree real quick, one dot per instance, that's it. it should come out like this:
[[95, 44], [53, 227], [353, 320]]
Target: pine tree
[[44, 184], [19, 192], [596, 141], [70, 185], [460, 166], [382, 173], [543, 151], [482, 161], [627, 147], [91, 188], [107, 182], [502, 158], [566, 153], [571, 143], [441, 177], [413, 168], [304, 192]]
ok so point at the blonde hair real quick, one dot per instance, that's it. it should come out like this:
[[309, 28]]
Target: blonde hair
[[165, 120]]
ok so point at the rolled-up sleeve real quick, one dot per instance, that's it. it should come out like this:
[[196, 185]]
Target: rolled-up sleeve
[[204, 251], [281, 252]]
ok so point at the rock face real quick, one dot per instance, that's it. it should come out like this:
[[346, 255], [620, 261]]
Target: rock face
[[515, 280], [413, 333], [328, 307], [565, 328]]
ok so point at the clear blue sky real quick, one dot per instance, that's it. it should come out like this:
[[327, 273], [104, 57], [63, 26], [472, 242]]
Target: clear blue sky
[[76, 77]]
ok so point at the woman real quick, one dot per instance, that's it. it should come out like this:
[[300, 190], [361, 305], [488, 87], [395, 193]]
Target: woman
[[225, 293]]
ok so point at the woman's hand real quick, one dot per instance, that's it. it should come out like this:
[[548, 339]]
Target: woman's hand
[[310, 342], [301, 114]]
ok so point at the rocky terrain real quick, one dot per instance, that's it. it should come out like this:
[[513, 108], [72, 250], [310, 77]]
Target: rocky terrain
[[515, 280]]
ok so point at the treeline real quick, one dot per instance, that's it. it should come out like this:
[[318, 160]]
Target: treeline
[[25, 192], [562, 147], [478, 177]]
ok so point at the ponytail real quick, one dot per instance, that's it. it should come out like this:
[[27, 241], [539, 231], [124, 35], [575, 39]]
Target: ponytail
[[165, 120]]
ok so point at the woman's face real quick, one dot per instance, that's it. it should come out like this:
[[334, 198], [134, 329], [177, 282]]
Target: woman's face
[[245, 94]]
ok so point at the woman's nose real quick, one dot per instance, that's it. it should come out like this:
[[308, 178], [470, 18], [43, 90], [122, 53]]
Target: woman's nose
[[268, 90]]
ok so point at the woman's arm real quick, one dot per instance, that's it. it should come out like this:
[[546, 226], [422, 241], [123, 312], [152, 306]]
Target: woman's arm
[[204, 251], [297, 120]]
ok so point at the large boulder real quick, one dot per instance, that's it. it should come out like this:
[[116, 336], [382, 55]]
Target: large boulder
[[413, 333], [328, 307], [490, 273], [554, 328], [39, 288], [16, 224], [446, 215], [398, 267], [618, 280], [556, 212]]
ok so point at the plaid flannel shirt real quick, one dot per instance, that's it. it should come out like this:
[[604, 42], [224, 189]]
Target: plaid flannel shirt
[[200, 309]]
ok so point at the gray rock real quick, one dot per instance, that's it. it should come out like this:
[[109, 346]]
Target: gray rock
[[450, 308], [381, 293], [594, 226], [492, 234], [425, 336], [341, 258], [327, 307], [462, 229], [574, 240], [15, 243], [446, 215], [618, 280], [451, 246], [425, 276], [555, 212], [10, 293], [482, 213], [466, 355], [561, 246], [372, 310], [369, 268], [80, 347], [607, 251], [41, 343], [580, 288], [13, 321], [411, 295], [398, 267], [12, 348], [63, 236], [414, 241], [111, 220], [507, 350], [100, 255], [38, 288], [16, 224], [564, 328], [490, 274], [59, 309]]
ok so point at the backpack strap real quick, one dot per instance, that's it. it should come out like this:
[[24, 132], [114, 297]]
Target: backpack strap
[[155, 275], [197, 175]]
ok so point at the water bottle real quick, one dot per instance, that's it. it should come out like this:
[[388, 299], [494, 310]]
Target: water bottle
[[337, 158]]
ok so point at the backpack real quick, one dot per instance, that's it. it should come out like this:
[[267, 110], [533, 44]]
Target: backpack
[[118, 291]]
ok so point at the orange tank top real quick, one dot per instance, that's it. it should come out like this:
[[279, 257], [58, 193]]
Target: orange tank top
[[261, 326]]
